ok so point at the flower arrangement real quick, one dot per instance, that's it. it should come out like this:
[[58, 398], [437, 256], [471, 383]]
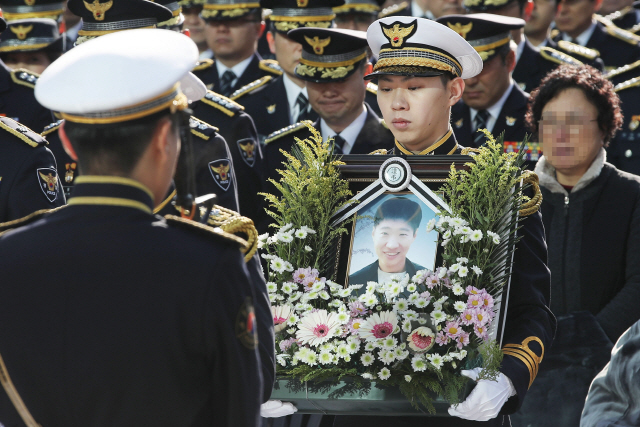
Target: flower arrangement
[[415, 333]]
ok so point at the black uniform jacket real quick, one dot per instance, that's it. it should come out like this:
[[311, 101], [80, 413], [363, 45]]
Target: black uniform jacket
[[28, 172], [627, 20], [17, 100], [208, 72], [528, 316], [532, 67], [370, 272], [614, 51], [510, 120], [238, 130], [69, 169], [268, 107], [137, 321], [624, 149]]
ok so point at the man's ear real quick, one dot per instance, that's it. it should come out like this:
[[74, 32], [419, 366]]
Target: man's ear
[[510, 61], [456, 87], [159, 146], [271, 39], [66, 144]]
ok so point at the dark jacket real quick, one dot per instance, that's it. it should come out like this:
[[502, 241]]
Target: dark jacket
[[532, 67], [17, 100], [628, 20], [624, 150], [138, 321], [370, 272], [510, 120]]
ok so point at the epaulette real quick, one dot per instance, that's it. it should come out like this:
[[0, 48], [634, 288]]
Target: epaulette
[[621, 70], [533, 204], [222, 103], [272, 66], [558, 57], [22, 132], [232, 222], [393, 9], [372, 87], [203, 64], [287, 130], [576, 49], [51, 128], [634, 29], [624, 35], [250, 87], [5, 227], [201, 129], [25, 77], [617, 14], [628, 84], [187, 224]]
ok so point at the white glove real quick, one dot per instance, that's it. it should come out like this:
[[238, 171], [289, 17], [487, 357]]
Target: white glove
[[486, 399], [275, 408]]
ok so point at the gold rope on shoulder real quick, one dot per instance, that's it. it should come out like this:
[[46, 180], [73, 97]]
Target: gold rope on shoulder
[[232, 222], [466, 151], [532, 205]]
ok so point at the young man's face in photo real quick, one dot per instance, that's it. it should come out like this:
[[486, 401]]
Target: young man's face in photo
[[392, 239]]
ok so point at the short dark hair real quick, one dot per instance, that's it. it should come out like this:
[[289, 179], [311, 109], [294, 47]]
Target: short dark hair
[[114, 148], [595, 87], [399, 208]]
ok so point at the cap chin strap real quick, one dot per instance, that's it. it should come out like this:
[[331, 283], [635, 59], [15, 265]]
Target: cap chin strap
[[8, 386]]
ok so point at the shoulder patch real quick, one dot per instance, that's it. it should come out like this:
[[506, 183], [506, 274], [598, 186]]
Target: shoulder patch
[[372, 87], [5, 227], [558, 57], [245, 327], [621, 70], [201, 129], [222, 103], [213, 232], [22, 132], [203, 64], [24, 77], [576, 49], [51, 128], [393, 9], [287, 130], [624, 35], [271, 66], [246, 89], [628, 84]]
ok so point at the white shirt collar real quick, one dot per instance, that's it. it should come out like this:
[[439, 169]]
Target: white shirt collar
[[293, 90], [494, 110], [582, 38], [237, 69], [206, 54], [72, 32], [350, 133], [520, 48]]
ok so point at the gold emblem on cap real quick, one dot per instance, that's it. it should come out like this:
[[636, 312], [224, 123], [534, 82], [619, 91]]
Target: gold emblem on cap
[[303, 3], [21, 31], [29, 2], [397, 33], [318, 44], [459, 123], [271, 109], [511, 121], [635, 121], [462, 30], [98, 9]]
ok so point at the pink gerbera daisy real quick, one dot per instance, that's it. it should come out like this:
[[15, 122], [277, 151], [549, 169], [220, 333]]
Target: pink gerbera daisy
[[378, 325], [317, 328]]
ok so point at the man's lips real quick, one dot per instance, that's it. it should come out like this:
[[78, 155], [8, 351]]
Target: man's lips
[[400, 123], [473, 93]]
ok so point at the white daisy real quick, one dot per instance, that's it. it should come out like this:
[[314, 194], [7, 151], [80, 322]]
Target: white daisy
[[384, 374], [325, 357], [282, 359], [378, 325], [463, 271], [342, 350], [406, 326], [367, 359], [285, 237], [343, 317], [436, 360], [407, 378], [324, 295], [301, 233], [272, 287], [431, 225], [311, 358], [421, 303], [475, 236], [353, 347], [389, 343], [418, 364], [457, 289], [410, 315], [460, 306], [412, 287], [367, 376], [308, 248], [317, 328], [401, 305], [371, 287], [438, 316], [476, 270], [370, 346]]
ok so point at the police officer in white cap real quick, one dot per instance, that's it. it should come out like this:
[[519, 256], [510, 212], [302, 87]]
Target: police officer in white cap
[[421, 70], [140, 320]]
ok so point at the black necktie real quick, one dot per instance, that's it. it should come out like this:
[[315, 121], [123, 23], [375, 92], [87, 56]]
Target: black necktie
[[302, 103], [480, 123], [225, 82], [338, 144]]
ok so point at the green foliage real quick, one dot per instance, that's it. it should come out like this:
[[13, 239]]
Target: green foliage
[[491, 359]]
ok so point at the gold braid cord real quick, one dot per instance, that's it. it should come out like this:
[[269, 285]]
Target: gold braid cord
[[14, 396], [532, 205], [232, 222], [466, 151], [526, 355], [414, 62]]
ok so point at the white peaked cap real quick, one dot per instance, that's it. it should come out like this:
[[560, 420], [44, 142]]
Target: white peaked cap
[[122, 76]]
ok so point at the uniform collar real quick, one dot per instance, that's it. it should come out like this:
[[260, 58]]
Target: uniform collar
[[111, 191], [445, 145]]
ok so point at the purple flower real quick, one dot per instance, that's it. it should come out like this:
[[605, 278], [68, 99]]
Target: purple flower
[[302, 275], [481, 332], [468, 316], [475, 301], [463, 339], [432, 281], [426, 295], [480, 317], [441, 338], [471, 290], [286, 344], [453, 329], [357, 309], [487, 300]]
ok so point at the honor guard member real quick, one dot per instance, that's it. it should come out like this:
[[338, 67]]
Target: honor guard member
[[357, 14], [576, 23], [428, 9], [21, 9], [232, 31], [28, 173], [31, 44], [119, 328], [275, 103], [537, 28], [177, 20], [622, 13], [491, 100], [333, 63], [624, 150]]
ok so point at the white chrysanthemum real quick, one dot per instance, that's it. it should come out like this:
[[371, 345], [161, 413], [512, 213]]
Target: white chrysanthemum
[[445, 242], [342, 350], [419, 275], [287, 288], [398, 353], [431, 225], [421, 303], [414, 297], [317, 286], [476, 270], [436, 360], [293, 319], [378, 325], [285, 227], [301, 233], [438, 316], [335, 303], [418, 364], [343, 317], [367, 376], [317, 328], [367, 359], [371, 287], [353, 347], [389, 343], [443, 220], [401, 305], [295, 296], [457, 222], [325, 357], [457, 289], [285, 237], [311, 358], [410, 315], [407, 378], [387, 357], [272, 287], [280, 314], [494, 237], [406, 326], [272, 298], [271, 240], [454, 268], [422, 321], [463, 271], [344, 292], [460, 306], [308, 248], [291, 331], [394, 290], [384, 374], [324, 295], [368, 299], [288, 266], [462, 260], [370, 346], [475, 236], [347, 358], [412, 287], [282, 359]]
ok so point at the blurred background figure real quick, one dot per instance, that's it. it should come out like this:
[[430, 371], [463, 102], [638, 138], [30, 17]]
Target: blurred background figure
[[591, 212], [538, 28], [429, 9], [21, 9], [357, 14], [622, 13], [193, 22], [31, 44], [71, 24]]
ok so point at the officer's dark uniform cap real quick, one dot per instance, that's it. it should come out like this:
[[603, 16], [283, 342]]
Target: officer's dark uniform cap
[[227, 10], [25, 35], [484, 31], [359, 7], [22, 9], [485, 5], [329, 55], [176, 10], [288, 15], [100, 18]]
